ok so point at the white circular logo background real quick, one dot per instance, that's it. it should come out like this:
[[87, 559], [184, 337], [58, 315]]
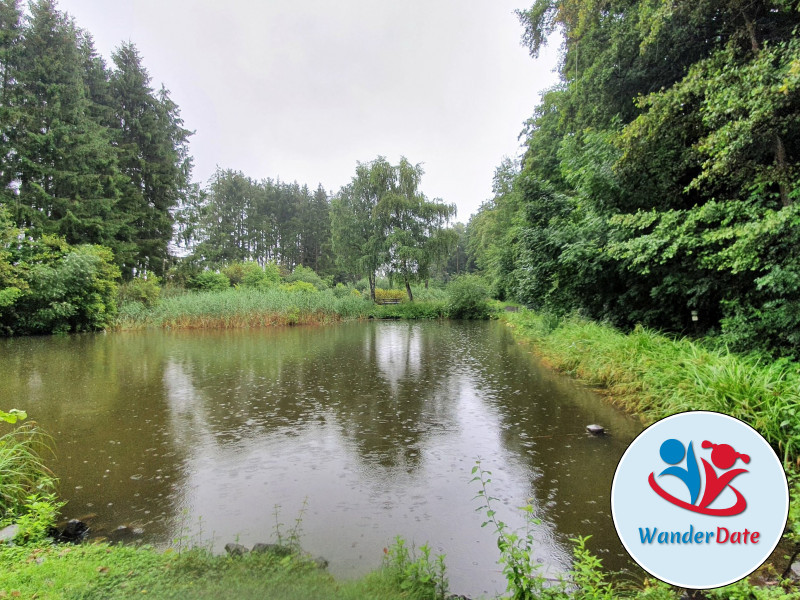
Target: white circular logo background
[[699, 500]]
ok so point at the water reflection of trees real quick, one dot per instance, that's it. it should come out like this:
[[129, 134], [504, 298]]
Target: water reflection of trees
[[383, 386], [387, 391]]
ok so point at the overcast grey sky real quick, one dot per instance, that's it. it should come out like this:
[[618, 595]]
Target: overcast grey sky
[[303, 89]]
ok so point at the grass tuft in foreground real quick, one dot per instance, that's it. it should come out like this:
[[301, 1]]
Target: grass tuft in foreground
[[23, 474], [105, 572]]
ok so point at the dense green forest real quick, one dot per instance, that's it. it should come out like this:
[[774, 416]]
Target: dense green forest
[[658, 186], [660, 180], [89, 153]]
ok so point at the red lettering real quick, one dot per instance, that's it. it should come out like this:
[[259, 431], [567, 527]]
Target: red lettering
[[720, 539], [736, 537]]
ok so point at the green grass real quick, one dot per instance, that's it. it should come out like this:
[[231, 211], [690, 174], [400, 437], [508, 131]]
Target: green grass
[[243, 308], [22, 469], [110, 572], [237, 308], [656, 376]]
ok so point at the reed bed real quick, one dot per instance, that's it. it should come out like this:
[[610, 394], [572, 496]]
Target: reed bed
[[656, 376], [22, 469], [250, 308]]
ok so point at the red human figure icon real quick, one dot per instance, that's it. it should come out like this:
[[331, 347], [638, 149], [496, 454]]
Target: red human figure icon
[[724, 457]]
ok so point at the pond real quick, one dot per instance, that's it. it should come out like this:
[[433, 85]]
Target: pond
[[364, 430]]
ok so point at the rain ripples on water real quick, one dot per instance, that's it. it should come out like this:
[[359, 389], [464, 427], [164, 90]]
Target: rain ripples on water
[[198, 436]]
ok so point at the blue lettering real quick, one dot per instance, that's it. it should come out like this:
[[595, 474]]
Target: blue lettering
[[647, 538]]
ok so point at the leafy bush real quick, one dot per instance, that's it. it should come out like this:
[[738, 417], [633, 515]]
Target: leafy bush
[[38, 519], [144, 289], [299, 286], [341, 290], [251, 274], [62, 288], [467, 298], [306, 275], [210, 281]]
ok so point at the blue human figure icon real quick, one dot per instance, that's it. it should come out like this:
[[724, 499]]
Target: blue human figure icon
[[672, 452]]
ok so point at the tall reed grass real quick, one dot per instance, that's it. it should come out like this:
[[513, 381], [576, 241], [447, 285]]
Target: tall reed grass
[[656, 375], [22, 469], [243, 308]]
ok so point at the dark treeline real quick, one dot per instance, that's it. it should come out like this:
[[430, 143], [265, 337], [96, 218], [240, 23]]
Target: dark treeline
[[90, 153], [661, 179], [238, 219]]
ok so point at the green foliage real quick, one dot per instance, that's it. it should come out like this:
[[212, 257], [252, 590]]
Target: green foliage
[[656, 375], [39, 517], [91, 154], [341, 290], [144, 289], [252, 275], [237, 219], [419, 309], [13, 416], [299, 286], [516, 547], [23, 473], [661, 174], [152, 157], [422, 577], [467, 298], [306, 275], [101, 571], [54, 287], [587, 574], [209, 281], [381, 220], [246, 307]]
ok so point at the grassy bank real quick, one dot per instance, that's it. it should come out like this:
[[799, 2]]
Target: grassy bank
[[108, 572], [243, 308], [655, 376]]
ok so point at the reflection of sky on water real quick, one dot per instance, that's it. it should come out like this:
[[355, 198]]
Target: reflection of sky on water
[[376, 426]]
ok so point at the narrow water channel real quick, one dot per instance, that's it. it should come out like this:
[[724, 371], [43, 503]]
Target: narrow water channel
[[197, 436]]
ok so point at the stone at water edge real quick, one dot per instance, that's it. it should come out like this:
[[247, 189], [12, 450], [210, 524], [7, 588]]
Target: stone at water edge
[[795, 570], [7, 534], [236, 549], [595, 429], [74, 531], [321, 562]]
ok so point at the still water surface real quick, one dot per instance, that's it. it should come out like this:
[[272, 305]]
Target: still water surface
[[199, 435]]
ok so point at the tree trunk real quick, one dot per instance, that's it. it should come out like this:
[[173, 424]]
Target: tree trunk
[[372, 286], [408, 291]]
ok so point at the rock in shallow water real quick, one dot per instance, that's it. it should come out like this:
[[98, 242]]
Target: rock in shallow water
[[595, 429], [74, 531]]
